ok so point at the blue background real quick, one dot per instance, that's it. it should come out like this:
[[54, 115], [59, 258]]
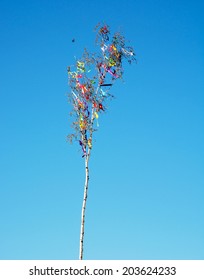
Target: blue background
[[146, 187]]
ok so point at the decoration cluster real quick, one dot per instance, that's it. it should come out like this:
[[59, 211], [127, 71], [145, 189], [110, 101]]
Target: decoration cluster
[[91, 79]]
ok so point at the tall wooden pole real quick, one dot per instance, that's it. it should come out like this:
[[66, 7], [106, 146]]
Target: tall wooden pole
[[81, 245]]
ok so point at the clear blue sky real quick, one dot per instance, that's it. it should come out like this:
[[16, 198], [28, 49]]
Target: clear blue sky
[[146, 193]]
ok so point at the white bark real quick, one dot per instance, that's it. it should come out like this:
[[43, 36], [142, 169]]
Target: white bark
[[81, 245]]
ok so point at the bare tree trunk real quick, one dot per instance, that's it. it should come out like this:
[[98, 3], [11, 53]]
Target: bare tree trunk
[[81, 245]]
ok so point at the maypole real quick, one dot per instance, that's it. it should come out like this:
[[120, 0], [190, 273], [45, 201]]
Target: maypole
[[90, 82]]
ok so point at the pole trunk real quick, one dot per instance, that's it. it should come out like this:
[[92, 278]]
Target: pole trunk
[[81, 245]]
